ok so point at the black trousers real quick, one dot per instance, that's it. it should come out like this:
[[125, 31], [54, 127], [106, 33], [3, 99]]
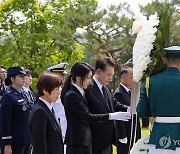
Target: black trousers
[[20, 149], [123, 148], [78, 149], [108, 150]]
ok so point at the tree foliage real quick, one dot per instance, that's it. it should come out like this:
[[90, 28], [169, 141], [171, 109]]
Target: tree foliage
[[26, 28], [38, 35], [174, 6]]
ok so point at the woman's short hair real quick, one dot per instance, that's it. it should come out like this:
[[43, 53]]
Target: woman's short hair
[[47, 81]]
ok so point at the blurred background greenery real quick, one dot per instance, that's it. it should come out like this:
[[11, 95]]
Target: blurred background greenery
[[37, 35]]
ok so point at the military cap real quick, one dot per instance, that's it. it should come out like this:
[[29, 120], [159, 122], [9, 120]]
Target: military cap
[[59, 68], [28, 72], [172, 52], [11, 71]]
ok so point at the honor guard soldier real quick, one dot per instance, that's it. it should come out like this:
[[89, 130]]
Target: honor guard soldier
[[14, 115], [162, 101], [59, 69]]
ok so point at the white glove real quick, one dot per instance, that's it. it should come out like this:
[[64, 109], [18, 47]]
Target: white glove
[[128, 109], [123, 116]]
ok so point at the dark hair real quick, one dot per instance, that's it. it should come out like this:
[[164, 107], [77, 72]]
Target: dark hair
[[80, 69], [102, 63], [124, 71], [8, 81], [47, 81]]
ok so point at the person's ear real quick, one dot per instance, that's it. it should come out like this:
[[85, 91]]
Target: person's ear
[[165, 60], [78, 79], [45, 92], [98, 71], [12, 79]]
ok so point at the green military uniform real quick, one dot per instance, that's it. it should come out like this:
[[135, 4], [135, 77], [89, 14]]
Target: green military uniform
[[163, 101]]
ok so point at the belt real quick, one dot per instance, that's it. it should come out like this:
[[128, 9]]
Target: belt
[[167, 119]]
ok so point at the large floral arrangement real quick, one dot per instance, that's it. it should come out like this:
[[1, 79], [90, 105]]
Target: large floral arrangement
[[143, 45], [141, 147], [152, 37]]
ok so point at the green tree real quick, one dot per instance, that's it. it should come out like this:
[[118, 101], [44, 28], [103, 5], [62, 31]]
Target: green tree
[[175, 17], [25, 30]]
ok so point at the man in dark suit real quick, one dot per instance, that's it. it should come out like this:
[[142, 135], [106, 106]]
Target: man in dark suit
[[45, 131], [100, 101], [130, 129]]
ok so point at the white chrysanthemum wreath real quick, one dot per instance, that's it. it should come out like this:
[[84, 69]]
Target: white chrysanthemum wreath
[[146, 35], [141, 147]]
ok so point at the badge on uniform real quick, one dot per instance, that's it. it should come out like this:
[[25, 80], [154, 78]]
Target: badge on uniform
[[20, 100], [24, 108]]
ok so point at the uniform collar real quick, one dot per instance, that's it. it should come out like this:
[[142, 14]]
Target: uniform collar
[[17, 90], [172, 69], [25, 89]]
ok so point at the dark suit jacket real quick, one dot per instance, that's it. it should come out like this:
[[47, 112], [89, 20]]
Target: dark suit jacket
[[103, 132], [123, 97], [78, 117], [45, 131]]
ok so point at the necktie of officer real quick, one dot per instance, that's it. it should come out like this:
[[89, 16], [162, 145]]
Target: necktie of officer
[[31, 96], [26, 95], [4, 88], [105, 95]]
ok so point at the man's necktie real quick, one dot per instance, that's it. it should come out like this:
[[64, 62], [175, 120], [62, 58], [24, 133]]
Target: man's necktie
[[105, 95], [129, 92], [52, 110]]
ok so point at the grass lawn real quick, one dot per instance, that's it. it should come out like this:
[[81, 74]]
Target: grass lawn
[[144, 132]]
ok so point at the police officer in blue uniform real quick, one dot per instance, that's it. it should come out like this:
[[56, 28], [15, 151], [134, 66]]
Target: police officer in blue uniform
[[14, 115]]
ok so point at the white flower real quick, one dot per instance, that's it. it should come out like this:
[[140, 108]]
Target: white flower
[[141, 147], [162, 1], [136, 27], [143, 47], [138, 23]]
